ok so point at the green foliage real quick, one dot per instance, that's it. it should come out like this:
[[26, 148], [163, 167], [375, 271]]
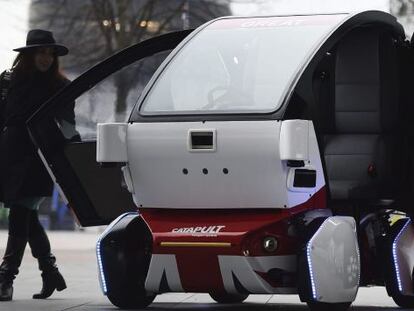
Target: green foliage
[[4, 214]]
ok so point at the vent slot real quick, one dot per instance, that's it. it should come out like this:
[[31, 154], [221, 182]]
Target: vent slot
[[202, 140]]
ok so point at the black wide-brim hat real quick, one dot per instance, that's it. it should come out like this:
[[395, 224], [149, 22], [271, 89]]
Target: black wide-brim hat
[[42, 38]]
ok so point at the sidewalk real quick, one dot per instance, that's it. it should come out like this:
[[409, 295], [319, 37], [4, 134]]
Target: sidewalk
[[66, 240], [75, 253]]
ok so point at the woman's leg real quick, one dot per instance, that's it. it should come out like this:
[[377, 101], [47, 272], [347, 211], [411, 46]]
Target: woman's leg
[[18, 232], [40, 246]]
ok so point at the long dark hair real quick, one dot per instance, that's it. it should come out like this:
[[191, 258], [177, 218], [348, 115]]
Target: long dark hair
[[24, 66]]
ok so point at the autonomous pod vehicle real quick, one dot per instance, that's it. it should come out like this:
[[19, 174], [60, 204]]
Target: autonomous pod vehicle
[[266, 155]]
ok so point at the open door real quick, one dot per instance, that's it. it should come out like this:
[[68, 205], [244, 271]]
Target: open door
[[105, 93]]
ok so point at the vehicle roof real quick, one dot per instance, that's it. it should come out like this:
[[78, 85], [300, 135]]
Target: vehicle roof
[[357, 18], [350, 20]]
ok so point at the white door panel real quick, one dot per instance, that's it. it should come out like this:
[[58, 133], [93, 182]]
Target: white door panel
[[158, 157]]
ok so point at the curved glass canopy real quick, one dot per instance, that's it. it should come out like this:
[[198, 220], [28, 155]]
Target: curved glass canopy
[[238, 65]]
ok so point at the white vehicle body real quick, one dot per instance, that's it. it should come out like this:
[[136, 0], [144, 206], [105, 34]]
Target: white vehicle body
[[257, 178], [262, 157]]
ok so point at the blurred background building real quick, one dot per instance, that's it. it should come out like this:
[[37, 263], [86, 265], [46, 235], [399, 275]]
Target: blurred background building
[[95, 29]]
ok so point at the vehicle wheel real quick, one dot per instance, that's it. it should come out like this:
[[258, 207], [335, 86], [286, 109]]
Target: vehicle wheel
[[228, 298], [130, 300], [391, 270], [126, 255], [323, 306], [404, 301]]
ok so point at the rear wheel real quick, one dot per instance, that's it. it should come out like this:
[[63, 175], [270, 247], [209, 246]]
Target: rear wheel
[[394, 273], [323, 306], [228, 298]]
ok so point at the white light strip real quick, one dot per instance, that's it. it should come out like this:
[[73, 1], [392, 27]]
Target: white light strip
[[102, 279], [308, 255], [395, 256], [100, 269]]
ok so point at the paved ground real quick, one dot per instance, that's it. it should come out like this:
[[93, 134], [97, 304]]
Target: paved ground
[[76, 259]]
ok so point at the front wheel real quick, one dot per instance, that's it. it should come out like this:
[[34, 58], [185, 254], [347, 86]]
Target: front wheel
[[228, 298], [127, 300], [124, 254], [323, 306], [403, 301]]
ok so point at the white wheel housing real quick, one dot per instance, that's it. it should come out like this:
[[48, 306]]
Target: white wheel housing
[[333, 259]]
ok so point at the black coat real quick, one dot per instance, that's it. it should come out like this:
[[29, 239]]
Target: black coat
[[22, 173]]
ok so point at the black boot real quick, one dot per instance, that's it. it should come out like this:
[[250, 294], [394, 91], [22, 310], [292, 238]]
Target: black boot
[[51, 277], [10, 266]]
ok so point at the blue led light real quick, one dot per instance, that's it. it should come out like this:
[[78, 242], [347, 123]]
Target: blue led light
[[308, 255], [102, 278], [395, 256], [100, 268], [312, 279]]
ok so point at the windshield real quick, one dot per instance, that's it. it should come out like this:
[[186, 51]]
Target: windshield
[[238, 65]]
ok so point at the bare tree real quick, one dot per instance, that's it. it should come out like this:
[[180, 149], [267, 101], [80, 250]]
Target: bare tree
[[404, 11], [96, 29], [401, 7]]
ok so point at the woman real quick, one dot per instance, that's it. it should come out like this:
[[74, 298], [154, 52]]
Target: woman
[[33, 79]]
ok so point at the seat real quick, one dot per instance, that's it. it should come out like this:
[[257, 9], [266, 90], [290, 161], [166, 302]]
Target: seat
[[360, 152]]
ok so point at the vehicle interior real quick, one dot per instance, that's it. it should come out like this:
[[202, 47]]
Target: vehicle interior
[[357, 94]]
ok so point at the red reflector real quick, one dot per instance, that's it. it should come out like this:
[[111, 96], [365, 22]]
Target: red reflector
[[372, 170]]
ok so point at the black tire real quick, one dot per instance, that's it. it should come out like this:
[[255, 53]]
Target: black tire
[[323, 306], [391, 282], [228, 298], [403, 301], [130, 300], [127, 253]]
